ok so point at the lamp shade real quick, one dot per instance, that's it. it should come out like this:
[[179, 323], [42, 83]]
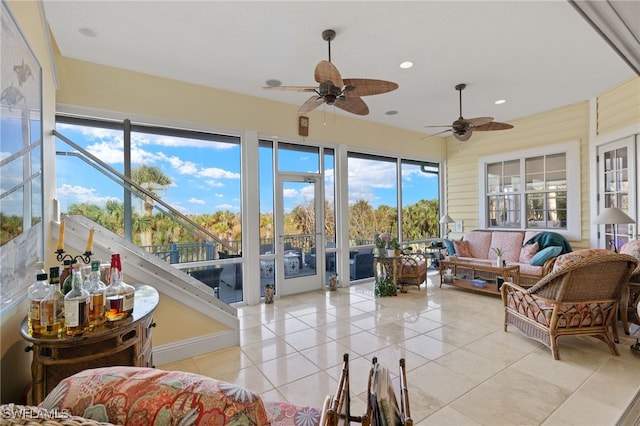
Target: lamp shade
[[612, 216], [446, 219]]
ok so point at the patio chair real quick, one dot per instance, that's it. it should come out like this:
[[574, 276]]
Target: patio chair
[[578, 299]]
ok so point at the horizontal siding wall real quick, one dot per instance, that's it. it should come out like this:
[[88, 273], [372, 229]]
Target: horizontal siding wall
[[570, 123], [619, 107]]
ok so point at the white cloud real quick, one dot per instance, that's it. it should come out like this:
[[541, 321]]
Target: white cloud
[[218, 173], [217, 194], [228, 207], [197, 201], [289, 193], [212, 183], [75, 194]]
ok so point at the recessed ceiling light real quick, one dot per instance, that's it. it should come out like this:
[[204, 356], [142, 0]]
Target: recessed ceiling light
[[392, 112], [88, 32], [500, 101], [272, 82], [406, 64]]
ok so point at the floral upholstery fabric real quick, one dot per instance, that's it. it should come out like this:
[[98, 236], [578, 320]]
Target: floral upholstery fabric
[[462, 248], [527, 252], [510, 242], [287, 414], [568, 316], [567, 258], [479, 244], [633, 248], [147, 396]]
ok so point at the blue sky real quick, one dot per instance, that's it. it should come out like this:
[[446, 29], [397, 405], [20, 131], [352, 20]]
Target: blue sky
[[206, 174]]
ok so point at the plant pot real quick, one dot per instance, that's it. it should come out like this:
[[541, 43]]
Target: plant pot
[[391, 252], [381, 251], [268, 295], [499, 261]]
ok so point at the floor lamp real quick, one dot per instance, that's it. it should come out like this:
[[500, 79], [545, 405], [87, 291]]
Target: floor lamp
[[613, 216], [446, 220]]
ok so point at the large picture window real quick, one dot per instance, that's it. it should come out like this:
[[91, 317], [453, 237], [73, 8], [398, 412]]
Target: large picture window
[[533, 189]]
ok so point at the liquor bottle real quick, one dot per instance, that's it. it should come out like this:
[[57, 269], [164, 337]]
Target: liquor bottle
[[66, 272], [36, 293], [97, 291], [58, 295], [129, 290], [49, 322], [76, 305], [115, 292], [67, 283]]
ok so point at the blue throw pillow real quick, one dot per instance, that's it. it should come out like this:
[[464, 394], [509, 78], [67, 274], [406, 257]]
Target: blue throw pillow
[[545, 254], [450, 248]]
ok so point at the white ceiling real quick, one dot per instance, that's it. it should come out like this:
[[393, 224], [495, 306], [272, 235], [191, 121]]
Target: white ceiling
[[538, 55]]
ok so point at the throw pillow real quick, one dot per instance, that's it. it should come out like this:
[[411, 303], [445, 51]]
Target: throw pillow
[[527, 252], [450, 248], [545, 254], [462, 248]]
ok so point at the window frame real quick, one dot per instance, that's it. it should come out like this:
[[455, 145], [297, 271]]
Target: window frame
[[571, 150]]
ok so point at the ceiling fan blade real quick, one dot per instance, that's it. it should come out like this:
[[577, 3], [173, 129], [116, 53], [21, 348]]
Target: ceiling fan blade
[[478, 121], [444, 125], [463, 136], [325, 70], [353, 105], [367, 86], [435, 134], [311, 104], [494, 125], [292, 88]]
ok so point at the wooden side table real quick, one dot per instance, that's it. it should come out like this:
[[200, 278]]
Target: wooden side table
[[125, 342]]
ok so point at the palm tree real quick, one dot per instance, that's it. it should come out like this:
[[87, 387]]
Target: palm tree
[[153, 180]]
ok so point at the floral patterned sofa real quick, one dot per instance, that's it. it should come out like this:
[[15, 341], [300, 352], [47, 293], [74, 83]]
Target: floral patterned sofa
[[148, 396], [533, 251]]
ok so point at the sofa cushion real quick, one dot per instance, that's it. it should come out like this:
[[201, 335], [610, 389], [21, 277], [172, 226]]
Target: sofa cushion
[[479, 244], [509, 241], [527, 252], [451, 250], [138, 395], [545, 254], [463, 248], [567, 258]]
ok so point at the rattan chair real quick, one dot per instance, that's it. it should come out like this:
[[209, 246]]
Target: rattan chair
[[578, 299]]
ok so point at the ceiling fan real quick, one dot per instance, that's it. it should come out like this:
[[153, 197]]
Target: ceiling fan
[[334, 90], [462, 128]]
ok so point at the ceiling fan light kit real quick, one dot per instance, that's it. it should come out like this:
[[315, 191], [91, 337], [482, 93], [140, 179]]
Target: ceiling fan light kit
[[462, 128], [334, 90]]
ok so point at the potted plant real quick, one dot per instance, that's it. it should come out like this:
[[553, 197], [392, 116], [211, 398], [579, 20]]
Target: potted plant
[[268, 293], [385, 287], [394, 248], [381, 245], [499, 253]]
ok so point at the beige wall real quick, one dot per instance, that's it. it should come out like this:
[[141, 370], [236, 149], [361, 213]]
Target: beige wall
[[618, 107], [94, 86]]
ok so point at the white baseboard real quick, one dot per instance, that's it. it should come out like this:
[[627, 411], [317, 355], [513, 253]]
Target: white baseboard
[[183, 349]]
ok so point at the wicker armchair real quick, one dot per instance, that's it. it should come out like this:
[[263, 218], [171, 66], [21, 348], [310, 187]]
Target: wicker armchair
[[580, 298], [412, 270], [631, 294]]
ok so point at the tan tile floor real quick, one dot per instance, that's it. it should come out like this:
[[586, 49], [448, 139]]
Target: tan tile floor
[[462, 368]]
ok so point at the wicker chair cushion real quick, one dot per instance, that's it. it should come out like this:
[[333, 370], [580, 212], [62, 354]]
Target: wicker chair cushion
[[633, 248], [565, 259], [136, 395], [569, 316]]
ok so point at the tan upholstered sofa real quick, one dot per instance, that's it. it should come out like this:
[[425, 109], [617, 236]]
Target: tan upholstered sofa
[[519, 247]]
